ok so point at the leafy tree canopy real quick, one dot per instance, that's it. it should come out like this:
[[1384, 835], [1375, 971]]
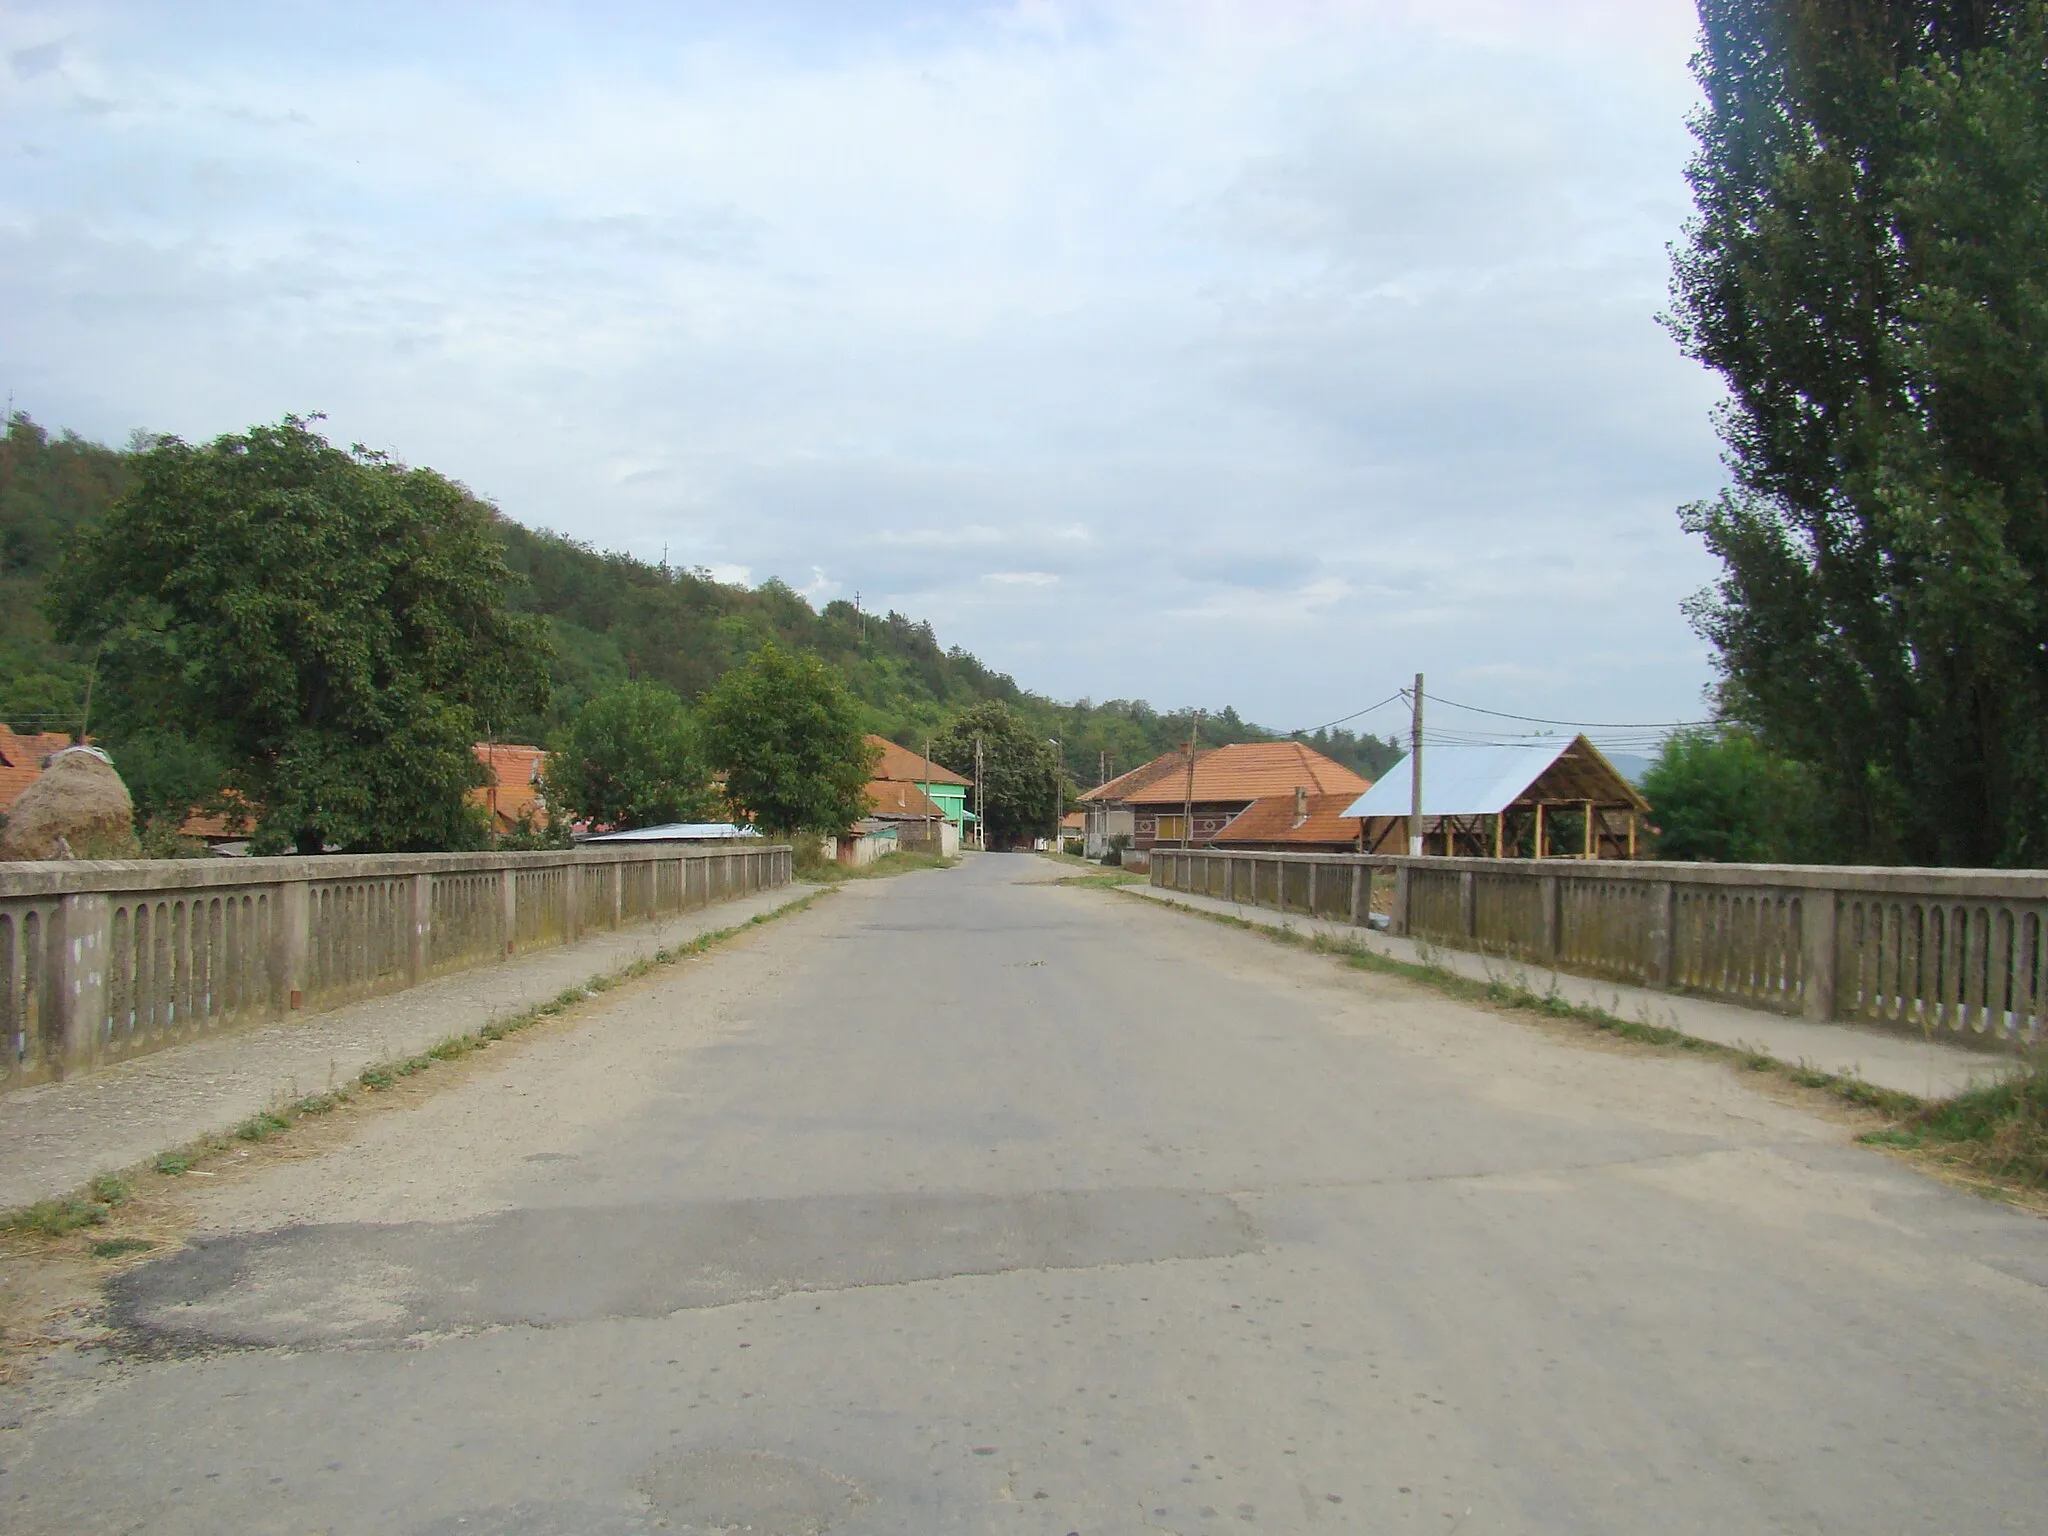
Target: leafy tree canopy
[[632, 757], [1865, 272], [331, 622], [1724, 797], [609, 618], [790, 739], [1022, 792]]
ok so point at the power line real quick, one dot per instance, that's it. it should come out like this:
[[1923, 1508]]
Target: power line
[[1583, 725], [1393, 698]]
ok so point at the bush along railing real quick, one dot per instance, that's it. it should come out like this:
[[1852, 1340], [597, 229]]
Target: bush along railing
[[101, 960], [1949, 952]]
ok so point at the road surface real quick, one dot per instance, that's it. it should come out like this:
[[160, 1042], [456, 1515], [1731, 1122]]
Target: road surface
[[967, 1203]]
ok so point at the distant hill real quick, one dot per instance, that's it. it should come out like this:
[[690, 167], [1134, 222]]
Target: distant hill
[[611, 617]]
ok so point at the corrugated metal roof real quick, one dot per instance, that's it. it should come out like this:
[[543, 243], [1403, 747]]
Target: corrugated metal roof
[[676, 832], [1475, 779]]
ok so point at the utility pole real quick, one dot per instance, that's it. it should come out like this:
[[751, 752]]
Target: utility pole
[[1187, 810], [1415, 774], [980, 802], [1102, 768]]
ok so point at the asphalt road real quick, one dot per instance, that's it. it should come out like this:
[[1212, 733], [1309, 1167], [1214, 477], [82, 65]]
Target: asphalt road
[[966, 1203]]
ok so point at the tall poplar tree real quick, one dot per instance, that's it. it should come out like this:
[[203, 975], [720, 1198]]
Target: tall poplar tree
[[1866, 273]]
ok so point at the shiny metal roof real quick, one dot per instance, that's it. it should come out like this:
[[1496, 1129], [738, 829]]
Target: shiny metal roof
[[1475, 779]]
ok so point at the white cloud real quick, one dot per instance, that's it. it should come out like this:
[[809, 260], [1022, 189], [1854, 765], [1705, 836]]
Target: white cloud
[[1328, 323]]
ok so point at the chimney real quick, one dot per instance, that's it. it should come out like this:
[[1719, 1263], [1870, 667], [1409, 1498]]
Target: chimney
[[1300, 804]]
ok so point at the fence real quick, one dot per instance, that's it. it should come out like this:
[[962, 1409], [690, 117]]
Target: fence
[[1953, 952], [101, 960]]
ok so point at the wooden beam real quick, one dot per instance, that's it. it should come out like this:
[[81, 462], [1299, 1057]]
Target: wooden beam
[[1539, 829], [1631, 835], [1592, 844], [1499, 831]]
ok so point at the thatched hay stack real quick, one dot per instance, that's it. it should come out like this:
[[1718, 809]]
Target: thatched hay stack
[[77, 809]]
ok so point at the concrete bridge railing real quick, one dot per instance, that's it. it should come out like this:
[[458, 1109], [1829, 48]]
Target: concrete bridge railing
[[1958, 952], [103, 960]]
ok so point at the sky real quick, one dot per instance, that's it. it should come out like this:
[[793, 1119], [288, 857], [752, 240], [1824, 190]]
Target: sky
[[1260, 354]]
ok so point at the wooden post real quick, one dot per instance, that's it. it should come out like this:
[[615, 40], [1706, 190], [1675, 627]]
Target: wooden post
[[1818, 914], [1631, 836], [1539, 829], [1592, 838], [1500, 820]]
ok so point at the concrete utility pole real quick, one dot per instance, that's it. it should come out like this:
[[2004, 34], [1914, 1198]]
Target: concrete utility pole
[[980, 802], [1415, 773], [1187, 810], [1059, 810]]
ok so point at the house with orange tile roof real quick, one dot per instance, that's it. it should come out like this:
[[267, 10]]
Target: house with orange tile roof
[[514, 790], [1224, 783], [1107, 807], [1298, 823], [21, 760], [947, 789]]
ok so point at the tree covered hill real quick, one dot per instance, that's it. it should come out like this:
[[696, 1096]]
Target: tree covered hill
[[611, 617]]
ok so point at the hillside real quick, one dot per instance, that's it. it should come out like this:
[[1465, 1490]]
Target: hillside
[[611, 617]]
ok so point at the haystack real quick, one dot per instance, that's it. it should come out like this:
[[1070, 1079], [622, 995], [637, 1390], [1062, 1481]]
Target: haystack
[[77, 809]]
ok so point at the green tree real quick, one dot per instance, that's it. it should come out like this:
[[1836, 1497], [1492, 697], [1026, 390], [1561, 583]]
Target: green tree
[[632, 757], [168, 776], [1722, 796], [1866, 274], [789, 738], [331, 622], [1022, 791]]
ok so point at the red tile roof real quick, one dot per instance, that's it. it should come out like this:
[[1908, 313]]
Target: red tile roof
[[1251, 770], [893, 798], [1074, 821], [514, 789], [12, 782], [27, 749], [1279, 819], [903, 766], [1126, 784]]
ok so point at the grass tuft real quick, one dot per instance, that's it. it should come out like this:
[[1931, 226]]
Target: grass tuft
[[259, 1127], [110, 1189], [56, 1218], [172, 1163], [121, 1247], [2000, 1130]]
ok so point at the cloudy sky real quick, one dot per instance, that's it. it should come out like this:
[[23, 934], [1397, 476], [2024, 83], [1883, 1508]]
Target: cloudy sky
[[1260, 353]]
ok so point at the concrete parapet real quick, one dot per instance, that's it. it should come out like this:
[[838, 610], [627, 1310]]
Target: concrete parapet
[[1952, 953], [102, 960]]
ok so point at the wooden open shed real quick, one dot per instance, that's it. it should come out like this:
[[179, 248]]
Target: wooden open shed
[[1542, 799]]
